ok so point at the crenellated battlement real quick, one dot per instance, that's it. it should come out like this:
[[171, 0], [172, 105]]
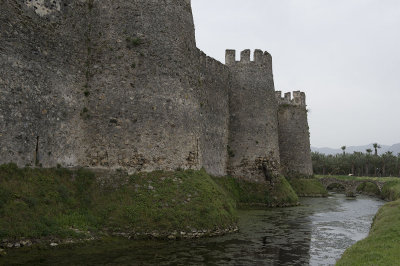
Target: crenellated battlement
[[260, 58], [299, 98]]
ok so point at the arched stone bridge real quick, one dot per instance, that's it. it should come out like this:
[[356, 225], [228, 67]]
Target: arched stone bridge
[[350, 185]]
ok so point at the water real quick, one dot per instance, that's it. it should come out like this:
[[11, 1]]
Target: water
[[316, 233]]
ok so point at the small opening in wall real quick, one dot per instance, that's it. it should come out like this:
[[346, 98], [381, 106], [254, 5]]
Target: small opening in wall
[[37, 151], [266, 173]]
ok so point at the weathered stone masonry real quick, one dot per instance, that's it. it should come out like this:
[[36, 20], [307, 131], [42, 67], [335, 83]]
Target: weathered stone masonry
[[121, 84], [294, 136], [253, 136]]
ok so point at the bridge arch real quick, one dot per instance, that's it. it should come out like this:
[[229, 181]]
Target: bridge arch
[[350, 185], [336, 186], [375, 189]]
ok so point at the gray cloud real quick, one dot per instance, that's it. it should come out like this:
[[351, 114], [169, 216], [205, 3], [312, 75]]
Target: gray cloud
[[344, 54]]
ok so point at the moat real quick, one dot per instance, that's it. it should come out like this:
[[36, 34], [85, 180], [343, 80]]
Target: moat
[[315, 233]]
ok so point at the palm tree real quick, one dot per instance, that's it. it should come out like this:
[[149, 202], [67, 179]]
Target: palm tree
[[376, 161], [367, 163], [344, 150], [319, 162], [359, 158], [353, 159], [398, 162], [376, 147], [388, 163]]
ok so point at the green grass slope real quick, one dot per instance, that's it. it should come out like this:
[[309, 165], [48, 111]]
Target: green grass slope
[[40, 203], [308, 187], [280, 194], [57, 203]]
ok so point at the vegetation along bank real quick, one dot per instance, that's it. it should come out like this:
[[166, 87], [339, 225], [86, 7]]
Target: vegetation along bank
[[43, 206], [308, 187]]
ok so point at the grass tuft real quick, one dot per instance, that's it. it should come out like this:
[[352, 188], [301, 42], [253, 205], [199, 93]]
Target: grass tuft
[[133, 42]]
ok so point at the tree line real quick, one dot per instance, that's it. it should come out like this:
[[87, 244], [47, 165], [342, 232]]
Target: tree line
[[357, 163]]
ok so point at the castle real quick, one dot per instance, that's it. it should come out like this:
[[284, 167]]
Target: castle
[[121, 84]]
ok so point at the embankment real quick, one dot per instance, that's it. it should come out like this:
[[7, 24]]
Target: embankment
[[55, 204], [43, 206]]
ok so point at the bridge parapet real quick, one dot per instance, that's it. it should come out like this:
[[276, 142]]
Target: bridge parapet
[[350, 185]]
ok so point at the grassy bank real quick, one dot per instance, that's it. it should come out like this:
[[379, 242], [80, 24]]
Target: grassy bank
[[308, 187], [382, 245], [57, 204], [391, 190], [247, 193], [40, 203]]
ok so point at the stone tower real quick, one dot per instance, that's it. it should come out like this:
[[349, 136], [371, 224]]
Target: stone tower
[[253, 134], [294, 136], [99, 83], [143, 111]]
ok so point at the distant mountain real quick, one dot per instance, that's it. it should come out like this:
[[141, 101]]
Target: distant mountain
[[350, 149]]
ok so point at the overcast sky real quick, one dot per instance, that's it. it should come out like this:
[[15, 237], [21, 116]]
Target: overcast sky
[[345, 54]]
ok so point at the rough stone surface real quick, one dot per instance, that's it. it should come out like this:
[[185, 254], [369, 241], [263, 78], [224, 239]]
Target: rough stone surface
[[253, 138], [294, 136], [142, 112], [110, 84], [42, 61]]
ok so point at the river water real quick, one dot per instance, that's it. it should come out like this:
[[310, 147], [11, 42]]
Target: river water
[[315, 233]]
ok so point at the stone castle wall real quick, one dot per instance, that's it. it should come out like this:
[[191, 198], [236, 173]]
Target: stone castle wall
[[40, 84], [121, 84], [143, 109], [214, 82], [253, 138], [294, 136]]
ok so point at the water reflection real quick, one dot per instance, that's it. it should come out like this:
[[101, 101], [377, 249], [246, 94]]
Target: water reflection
[[316, 233]]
